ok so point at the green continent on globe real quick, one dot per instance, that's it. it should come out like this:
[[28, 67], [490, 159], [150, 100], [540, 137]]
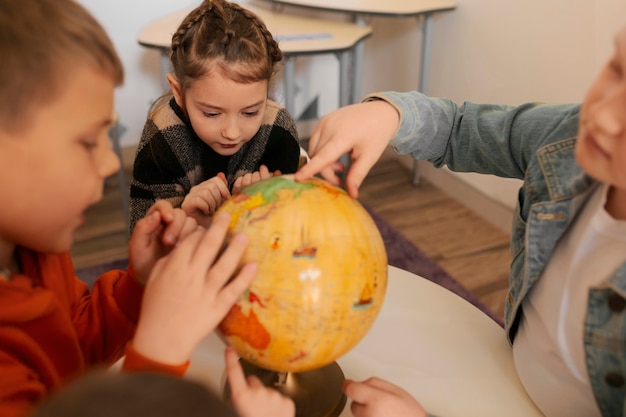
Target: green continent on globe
[[321, 274], [268, 191]]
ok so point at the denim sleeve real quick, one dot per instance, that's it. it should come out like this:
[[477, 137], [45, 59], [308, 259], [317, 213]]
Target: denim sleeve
[[484, 138]]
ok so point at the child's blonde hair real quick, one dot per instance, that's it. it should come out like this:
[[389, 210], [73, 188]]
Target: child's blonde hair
[[223, 35], [40, 41]]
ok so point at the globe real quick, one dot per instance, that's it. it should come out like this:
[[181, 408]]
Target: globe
[[321, 277]]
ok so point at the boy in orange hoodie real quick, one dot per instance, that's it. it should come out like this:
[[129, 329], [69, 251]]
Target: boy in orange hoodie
[[57, 78]]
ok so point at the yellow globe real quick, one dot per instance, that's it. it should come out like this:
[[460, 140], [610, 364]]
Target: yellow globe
[[322, 274]]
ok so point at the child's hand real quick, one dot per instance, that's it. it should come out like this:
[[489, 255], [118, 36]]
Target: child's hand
[[205, 198], [155, 235], [190, 291], [363, 129], [252, 177], [375, 397], [250, 397]]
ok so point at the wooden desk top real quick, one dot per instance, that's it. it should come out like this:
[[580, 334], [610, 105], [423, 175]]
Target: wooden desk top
[[443, 350], [296, 35], [391, 8]]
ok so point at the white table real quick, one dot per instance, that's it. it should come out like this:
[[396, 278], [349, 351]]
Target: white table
[[433, 343], [361, 9], [296, 36]]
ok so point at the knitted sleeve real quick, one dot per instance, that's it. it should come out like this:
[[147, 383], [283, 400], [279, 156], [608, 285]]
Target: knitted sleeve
[[165, 164]]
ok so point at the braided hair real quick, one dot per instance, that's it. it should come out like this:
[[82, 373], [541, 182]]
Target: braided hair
[[222, 35]]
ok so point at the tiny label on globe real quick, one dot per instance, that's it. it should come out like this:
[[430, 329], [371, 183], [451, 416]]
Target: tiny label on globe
[[322, 274]]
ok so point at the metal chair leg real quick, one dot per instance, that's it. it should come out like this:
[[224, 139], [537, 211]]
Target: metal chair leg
[[416, 172], [115, 133]]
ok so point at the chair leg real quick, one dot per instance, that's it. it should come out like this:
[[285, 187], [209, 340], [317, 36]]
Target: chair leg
[[416, 172], [115, 133]]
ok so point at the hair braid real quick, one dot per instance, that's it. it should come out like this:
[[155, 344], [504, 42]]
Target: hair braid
[[273, 50], [222, 36], [190, 20]]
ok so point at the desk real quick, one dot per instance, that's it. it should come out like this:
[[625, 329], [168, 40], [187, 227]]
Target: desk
[[360, 9], [423, 10], [439, 347], [296, 36]]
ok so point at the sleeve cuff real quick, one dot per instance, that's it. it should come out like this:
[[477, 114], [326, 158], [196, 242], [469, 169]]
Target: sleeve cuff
[[128, 293], [136, 362]]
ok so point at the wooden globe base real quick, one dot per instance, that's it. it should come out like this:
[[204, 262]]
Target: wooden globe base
[[316, 393]]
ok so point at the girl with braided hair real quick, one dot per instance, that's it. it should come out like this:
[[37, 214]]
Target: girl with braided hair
[[216, 131]]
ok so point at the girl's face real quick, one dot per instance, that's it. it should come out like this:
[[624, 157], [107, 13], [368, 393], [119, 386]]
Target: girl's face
[[224, 114], [601, 147], [53, 169]]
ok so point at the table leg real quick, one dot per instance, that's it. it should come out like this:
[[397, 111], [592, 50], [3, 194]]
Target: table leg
[[290, 85], [357, 63], [165, 68], [345, 87], [115, 134], [427, 28], [346, 90], [350, 87]]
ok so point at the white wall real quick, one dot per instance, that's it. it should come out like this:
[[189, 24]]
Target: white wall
[[502, 51]]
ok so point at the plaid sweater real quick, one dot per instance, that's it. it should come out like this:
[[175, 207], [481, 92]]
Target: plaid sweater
[[171, 159]]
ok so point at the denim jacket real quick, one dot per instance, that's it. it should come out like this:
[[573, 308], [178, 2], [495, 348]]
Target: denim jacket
[[533, 142]]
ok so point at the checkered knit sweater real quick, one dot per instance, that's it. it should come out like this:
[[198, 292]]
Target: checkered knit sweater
[[171, 158]]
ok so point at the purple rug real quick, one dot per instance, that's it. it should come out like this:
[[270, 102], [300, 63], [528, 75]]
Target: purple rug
[[401, 253], [91, 273]]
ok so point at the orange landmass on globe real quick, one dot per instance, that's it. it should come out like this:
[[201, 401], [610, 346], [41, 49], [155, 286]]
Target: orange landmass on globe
[[330, 189], [301, 355], [253, 298], [248, 328], [366, 297]]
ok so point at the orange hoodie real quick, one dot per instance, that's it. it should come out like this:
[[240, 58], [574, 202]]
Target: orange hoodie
[[53, 329]]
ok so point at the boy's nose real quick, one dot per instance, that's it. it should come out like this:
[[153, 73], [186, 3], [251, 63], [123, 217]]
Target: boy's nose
[[108, 162]]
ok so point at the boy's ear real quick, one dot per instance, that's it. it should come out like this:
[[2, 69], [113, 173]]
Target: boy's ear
[[176, 90]]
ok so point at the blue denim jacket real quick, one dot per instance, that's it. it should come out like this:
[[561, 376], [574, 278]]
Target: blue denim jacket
[[534, 142]]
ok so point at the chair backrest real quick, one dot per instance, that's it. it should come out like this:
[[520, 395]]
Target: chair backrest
[[304, 157]]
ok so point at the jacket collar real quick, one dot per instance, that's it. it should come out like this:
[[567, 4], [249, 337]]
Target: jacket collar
[[564, 178]]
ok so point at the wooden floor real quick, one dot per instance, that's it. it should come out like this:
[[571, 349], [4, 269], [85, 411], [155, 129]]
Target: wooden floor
[[469, 248]]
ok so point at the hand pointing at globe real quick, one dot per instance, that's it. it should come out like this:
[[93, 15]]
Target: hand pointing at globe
[[364, 130]]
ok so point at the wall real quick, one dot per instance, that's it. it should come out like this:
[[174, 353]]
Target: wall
[[501, 51]]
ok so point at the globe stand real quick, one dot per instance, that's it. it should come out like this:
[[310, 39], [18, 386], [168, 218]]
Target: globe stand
[[316, 393]]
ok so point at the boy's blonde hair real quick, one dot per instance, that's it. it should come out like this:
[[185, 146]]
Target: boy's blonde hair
[[40, 41]]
